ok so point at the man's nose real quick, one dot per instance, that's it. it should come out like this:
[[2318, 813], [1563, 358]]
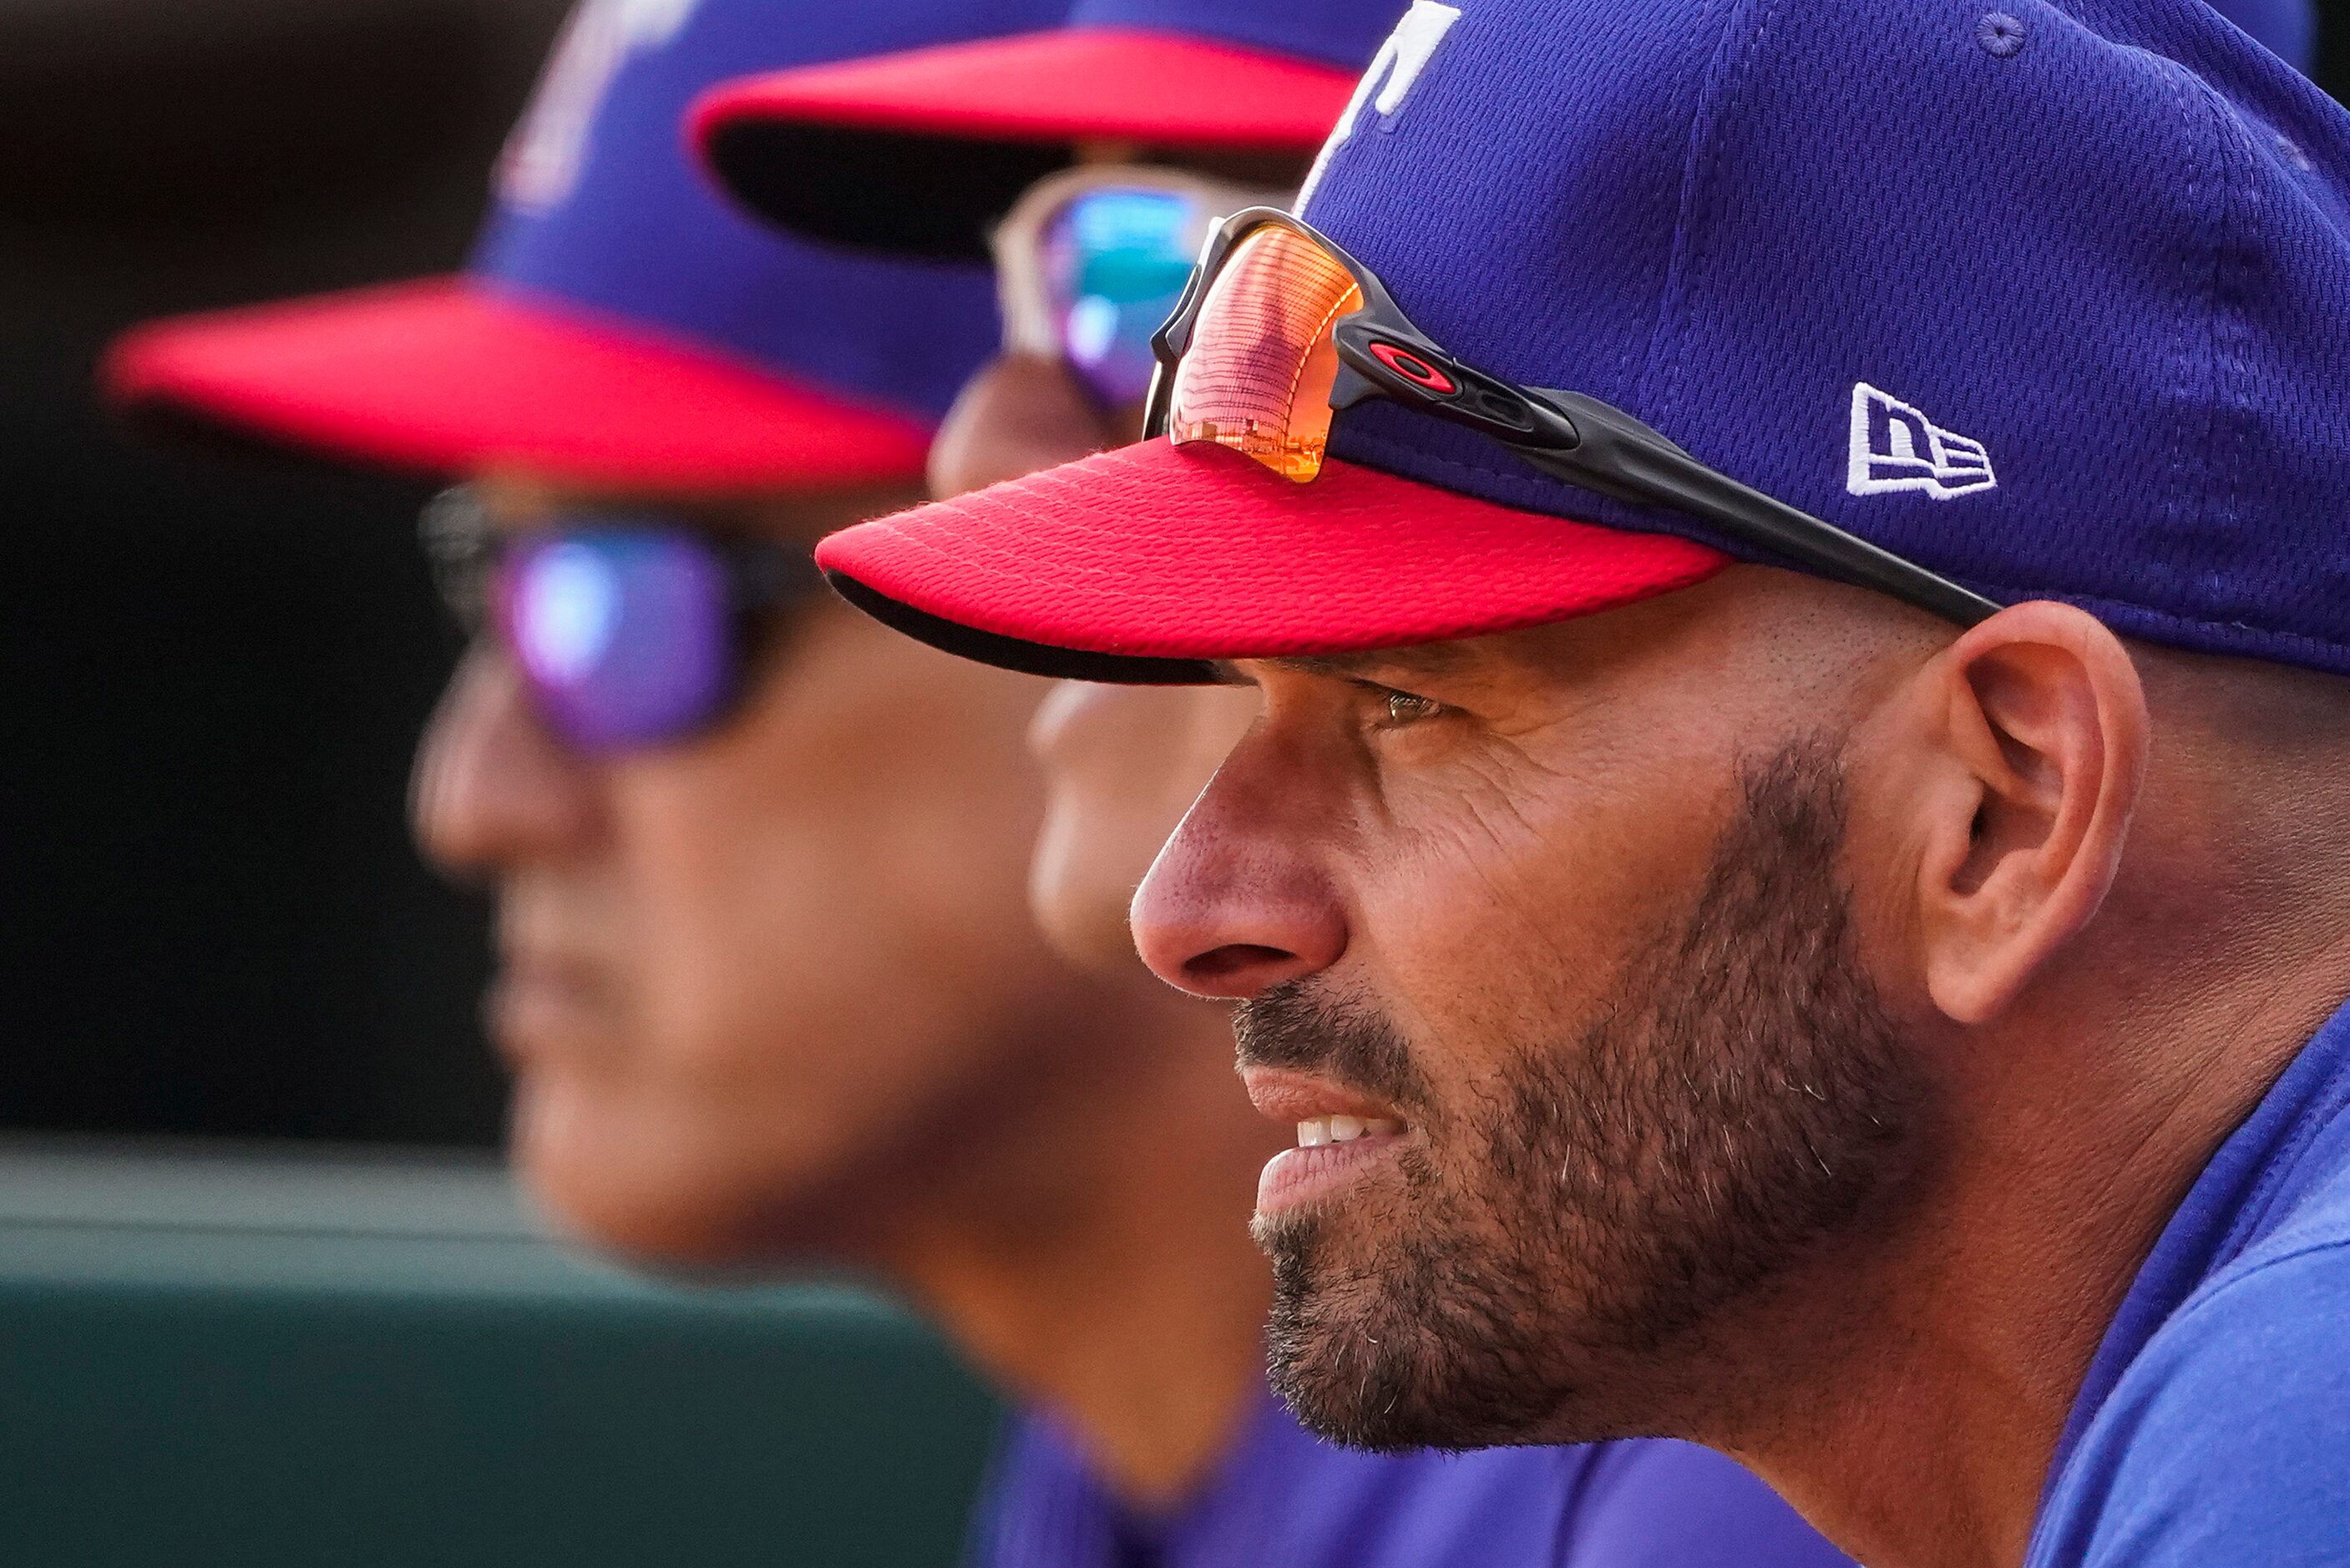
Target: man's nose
[[492, 789], [1237, 902]]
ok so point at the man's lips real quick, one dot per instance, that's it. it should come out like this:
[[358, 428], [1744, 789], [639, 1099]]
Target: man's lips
[[537, 1003], [1286, 1095], [1340, 1135]]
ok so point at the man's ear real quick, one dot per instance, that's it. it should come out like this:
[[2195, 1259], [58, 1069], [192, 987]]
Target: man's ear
[[2035, 727]]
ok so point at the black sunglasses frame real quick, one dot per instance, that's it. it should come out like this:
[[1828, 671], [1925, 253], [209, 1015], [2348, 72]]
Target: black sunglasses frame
[[1586, 443], [763, 580], [463, 549]]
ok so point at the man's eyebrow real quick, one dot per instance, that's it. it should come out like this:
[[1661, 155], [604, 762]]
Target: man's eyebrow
[[1338, 666], [1428, 657]]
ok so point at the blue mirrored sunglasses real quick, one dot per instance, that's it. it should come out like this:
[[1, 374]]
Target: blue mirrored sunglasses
[[1093, 261], [630, 630], [1116, 262]]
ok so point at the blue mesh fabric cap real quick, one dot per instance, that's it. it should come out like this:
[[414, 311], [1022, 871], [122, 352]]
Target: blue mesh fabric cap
[[621, 321], [954, 135], [2106, 242], [2052, 298]]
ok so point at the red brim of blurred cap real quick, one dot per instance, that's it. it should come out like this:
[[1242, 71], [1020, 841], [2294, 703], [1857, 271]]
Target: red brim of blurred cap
[[1079, 83], [1144, 563], [449, 376]]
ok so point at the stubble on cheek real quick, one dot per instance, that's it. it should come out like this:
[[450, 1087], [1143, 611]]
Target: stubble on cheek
[[1554, 1252]]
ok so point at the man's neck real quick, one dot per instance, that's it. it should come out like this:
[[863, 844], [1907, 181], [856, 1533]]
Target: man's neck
[[1095, 1257], [1923, 1438]]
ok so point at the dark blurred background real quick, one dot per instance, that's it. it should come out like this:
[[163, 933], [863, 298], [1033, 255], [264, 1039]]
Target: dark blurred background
[[211, 922], [210, 919]]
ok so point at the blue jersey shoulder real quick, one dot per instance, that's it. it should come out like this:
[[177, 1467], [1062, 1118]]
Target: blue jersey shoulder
[[2228, 1440]]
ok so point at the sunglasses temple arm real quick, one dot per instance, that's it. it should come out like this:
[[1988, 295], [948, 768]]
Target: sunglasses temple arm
[[1621, 457]]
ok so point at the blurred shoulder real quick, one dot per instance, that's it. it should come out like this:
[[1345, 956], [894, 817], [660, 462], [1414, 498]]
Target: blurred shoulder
[[1658, 1504]]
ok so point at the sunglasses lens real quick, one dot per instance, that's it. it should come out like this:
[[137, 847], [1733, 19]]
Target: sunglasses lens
[[623, 635], [1114, 263], [1258, 373]]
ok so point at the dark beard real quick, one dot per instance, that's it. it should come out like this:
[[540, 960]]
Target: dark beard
[[1741, 1100]]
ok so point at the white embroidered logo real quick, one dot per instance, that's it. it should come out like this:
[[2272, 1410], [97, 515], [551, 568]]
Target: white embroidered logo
[[1894, 447], [1393, 69], [541, 163]]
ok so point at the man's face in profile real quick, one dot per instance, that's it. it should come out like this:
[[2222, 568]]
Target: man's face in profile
[[747, 976], [1578, 1082], [1120, 763], [1733, 1101]]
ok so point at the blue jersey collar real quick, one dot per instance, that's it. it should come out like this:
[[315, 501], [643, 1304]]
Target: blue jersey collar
[[2252, 1180]]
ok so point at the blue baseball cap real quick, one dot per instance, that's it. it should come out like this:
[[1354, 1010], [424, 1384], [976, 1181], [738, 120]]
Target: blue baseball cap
[[619, 323], [954, 134], [2052, 299]]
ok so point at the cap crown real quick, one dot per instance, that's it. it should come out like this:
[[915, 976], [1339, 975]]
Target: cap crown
[[600, 205], [2053, 299], [1342, 33]]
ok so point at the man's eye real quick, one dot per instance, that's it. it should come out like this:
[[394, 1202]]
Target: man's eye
[[1403, 707]]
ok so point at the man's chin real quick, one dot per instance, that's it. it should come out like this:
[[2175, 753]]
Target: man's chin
[[1324, 1355], [655, 1222], [673, 1193], [1351, 1394], [1348, 1381], [590, 1172], [1397, 1348]]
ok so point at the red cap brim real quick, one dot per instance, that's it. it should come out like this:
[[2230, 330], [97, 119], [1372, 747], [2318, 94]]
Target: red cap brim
[[1143, 564], [1074, 83], [447, 377]]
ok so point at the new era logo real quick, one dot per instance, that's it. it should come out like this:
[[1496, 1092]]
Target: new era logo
[[1895, 447]]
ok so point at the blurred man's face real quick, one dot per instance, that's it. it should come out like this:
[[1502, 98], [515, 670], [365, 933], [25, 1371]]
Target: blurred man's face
[[1545, 944], [1122, 763], [748, 982]]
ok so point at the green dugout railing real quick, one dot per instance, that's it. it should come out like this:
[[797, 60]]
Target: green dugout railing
[[266, 1361]]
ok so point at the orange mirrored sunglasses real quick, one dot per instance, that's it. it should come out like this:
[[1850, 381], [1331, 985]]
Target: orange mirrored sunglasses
[[1279, 329]]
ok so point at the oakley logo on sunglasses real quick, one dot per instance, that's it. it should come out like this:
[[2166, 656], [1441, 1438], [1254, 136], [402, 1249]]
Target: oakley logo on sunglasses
[[1393, 70], [1414, 368], [1894, 447]]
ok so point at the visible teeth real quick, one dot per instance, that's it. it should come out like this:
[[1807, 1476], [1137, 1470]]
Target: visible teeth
[[1318, 1130]]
